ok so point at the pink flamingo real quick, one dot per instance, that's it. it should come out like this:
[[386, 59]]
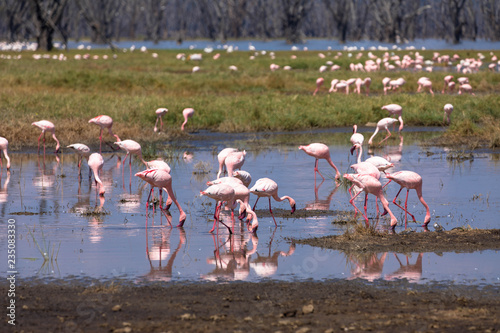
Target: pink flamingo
[[383, 124], [159, 115], [371, 185], [253, 217], [380, 163], [220, 193], [46, 126], [244, 176], [103, 122], [447, 80], [187, 113], [161, 179], [320, 151], [234, 161], [448, 109], [357, 140], [395, 110], [221, 157], [162, 165], [4, 144], [465, 88], [319, 83], [265, 187], [82, 151], [410, 180], [360, 82], [95, 163], [132, 148]]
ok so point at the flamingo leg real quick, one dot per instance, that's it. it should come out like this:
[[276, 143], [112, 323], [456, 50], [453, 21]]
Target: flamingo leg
[[100, 142], [387, 137], [352, 203], [43, 143], [406, 205], [366, 213], [276, 224], [317, 170], [39, 142], [255, 203]]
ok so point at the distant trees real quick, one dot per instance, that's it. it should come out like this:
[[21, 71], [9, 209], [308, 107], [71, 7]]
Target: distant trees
[[105, 21]]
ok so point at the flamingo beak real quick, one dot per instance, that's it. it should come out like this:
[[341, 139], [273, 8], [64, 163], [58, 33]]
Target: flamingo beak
[[352, 149], [293, 209], [242, 215]]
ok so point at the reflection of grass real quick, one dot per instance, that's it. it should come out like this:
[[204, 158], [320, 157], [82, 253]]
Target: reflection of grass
[[47, 250]]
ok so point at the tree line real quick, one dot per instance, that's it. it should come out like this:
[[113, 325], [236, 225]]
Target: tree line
[[108, 21]]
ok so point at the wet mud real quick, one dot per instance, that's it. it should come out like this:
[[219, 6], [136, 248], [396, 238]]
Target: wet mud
[[329, 306]]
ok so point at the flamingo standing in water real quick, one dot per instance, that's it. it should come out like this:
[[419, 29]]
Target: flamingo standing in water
[[320, 151], [95, 163], [220, 193], [234, 161], [159, 115], [131, 147], [103, 122], [381, 125], [161, 179], [46, 126], [4, 144], [319, 83], [162, 165], [187, 113], [395, 110], [369, 184], [221, 157], [357, 140], [265, 187], [410, 180], [448, 109], [82, 151]]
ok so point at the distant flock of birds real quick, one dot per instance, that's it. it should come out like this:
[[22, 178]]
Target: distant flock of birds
[[233, 190]]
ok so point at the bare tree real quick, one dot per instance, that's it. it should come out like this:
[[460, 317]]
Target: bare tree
[[101, 15], [15, 13], [490, 10], [454, 11], [292, 15], [343, 14], [153, 18], [47, 16]]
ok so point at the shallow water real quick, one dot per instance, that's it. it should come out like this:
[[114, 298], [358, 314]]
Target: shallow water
[[107, 238]]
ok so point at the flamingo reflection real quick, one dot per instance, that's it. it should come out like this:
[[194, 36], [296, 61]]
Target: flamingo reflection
[[412, 273], [367, 266], [266, 266], [321, 204], [232, 258], [159, 252]]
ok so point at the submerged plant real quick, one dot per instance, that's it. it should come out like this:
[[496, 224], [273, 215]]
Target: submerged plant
[[46, 249]]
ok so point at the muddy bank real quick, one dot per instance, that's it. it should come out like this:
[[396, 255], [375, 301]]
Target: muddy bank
[[331, 306], [456, 240]]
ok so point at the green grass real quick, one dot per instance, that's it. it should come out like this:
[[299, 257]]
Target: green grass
[[131, 87]]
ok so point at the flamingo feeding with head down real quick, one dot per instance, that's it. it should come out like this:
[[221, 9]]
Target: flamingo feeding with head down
[[46, 126], [221, 157], [383, 124], [220, 193], [319, 83], [320, 151], [448, 109], [4, 144], [186, 113], [265, 187], [369, 184], [159, 115], [357, 140], [395, 110], [82, 151], [410, 180], [95, 163], [103, 122], [161, 179], [131, 147]]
